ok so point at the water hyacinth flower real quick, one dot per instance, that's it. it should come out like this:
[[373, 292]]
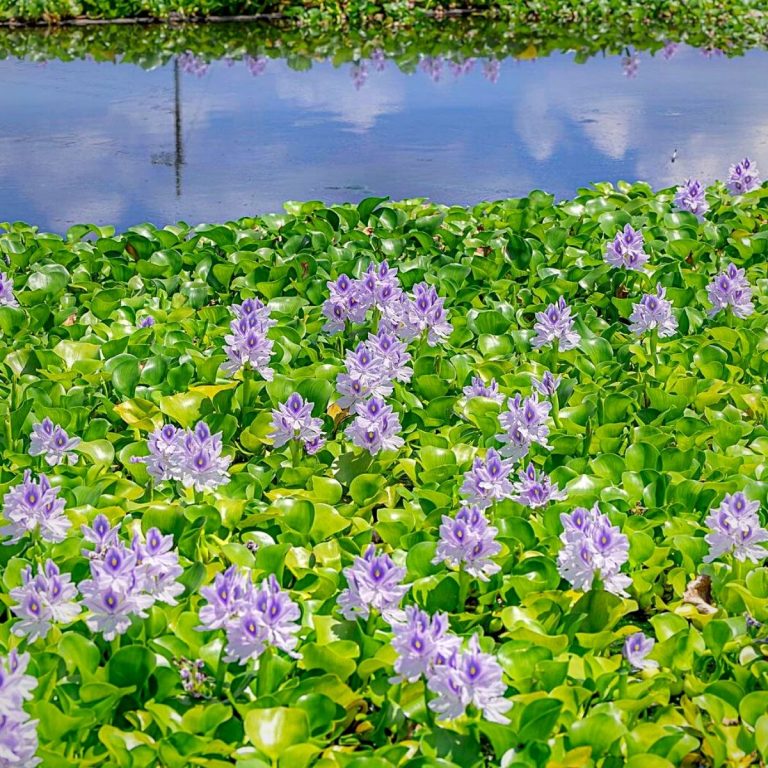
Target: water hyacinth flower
[[479, 389], [743, 177], [421, 642], [535, 489], [525, 421], [427, 314], [376, 427], [146, 322], [18, 732], [7, 297], [293, 420], [256, 65], [690, 197], [627, 250], [393, 355], [269, 618], [126, 581], [636, 647], [547, 385], [373, 582], [192, 64], [469, 677], [630, 65], [488, 480], [593, 547], [735, 529], [555, 326], [247, 343], [669, 50], [101, 534], [467, 541], [52, 443], [653, 311], [34, 506], [731, 289], [193, 457], [492, 70], [42, 600]]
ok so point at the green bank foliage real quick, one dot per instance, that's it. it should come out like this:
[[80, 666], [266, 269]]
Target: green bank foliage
[[325, 28], [656, 435]]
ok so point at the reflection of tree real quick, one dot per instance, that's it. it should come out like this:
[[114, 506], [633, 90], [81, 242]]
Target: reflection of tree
[[175, 159]]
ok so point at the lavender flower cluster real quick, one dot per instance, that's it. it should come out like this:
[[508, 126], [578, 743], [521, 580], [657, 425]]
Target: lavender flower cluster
[[459, 676], [193, 457], [34, 507], [126, 582], [18, 732], [379, 289], [252, 617], [554, 326], [247, 343], [293, 420], [467, 541], [627, 250], [743, 177], [735, 530], [592, 547], [7, 297], [373, 582], [53, 443]]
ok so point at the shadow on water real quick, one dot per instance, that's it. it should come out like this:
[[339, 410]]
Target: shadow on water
[[213, 123]]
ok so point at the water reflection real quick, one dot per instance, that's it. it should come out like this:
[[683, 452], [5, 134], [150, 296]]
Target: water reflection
[[205, 141]]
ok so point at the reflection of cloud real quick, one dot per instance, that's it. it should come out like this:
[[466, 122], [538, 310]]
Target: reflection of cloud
[[535, 124], [610, 126], [332, 91]]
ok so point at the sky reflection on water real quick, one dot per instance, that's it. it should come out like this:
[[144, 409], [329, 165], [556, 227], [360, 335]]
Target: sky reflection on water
[[81, 141]]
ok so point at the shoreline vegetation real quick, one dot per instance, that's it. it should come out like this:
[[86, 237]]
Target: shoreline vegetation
[[528, 31]]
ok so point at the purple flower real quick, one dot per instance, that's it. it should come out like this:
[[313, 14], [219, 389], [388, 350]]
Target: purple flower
[[421, 642], [731, 289], [199, 463], [42, 600], [426, 313], [432, 66], [464, 67], [469, 677], [256, 64], [101, 535], [7, 297], [735, 529], [669, 50], [636, 648], [627, 250], [690, 197], [743, 177], [379, 59], [535, 490], [630, 64], [373, 581], [33, 505], [53, 443], [18, 733], [126, 582], [366, 366], [653, 311], [525, 421], [492, 70], [487, 481], [146, 322], [468, 541], [248, 345], [376, 427], [547, 385], [192, 64], [293, 420], [555, 325], [157, 566], [392, 353], [593, 547], [267, 617], [478, 389], [359, 74], [226, 598]]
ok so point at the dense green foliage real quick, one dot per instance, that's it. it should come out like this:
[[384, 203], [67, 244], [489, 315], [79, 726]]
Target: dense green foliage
[[656, 445], [347, 30]]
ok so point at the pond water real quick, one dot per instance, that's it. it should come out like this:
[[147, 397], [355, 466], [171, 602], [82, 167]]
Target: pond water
[[116, 144]]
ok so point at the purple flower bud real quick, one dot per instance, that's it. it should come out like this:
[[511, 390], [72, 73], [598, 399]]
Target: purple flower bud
[[547, 385], [146, 322], [478, 389]]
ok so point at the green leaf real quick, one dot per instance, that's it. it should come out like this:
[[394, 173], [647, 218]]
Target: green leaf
[[275, 729]]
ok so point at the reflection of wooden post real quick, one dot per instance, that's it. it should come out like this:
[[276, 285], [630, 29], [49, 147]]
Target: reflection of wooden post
[[179, 157]]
